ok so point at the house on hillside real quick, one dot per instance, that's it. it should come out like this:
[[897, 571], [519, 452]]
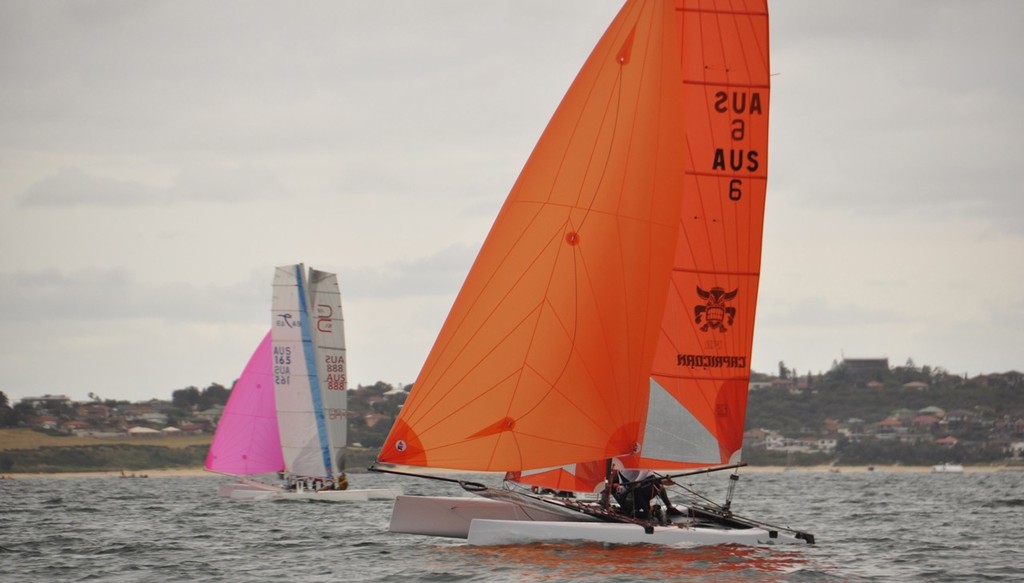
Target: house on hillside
[[48, 402], [192, 428], [373, 419], [43, 422], [924, 422], [889, 428], [1016, 449], [960, 417], [138, 431], [866, 366], [212, 414], [76, 427]]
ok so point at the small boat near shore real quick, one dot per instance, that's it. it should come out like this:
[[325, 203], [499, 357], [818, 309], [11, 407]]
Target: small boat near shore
[[948, 468]]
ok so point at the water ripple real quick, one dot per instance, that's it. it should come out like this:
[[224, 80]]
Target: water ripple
[[870, 528]]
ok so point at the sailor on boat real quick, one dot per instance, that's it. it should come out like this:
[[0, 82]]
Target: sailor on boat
[[635, 489]]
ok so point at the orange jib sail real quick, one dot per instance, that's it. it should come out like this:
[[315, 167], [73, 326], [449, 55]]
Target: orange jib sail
[[546, 355]]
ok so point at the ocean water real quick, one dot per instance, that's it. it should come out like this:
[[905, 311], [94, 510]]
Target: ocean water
[[873, 526]]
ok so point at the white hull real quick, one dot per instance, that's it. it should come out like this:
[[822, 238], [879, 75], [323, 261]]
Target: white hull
[[485, 521], [451, 515], [504, 532], [948, 469]]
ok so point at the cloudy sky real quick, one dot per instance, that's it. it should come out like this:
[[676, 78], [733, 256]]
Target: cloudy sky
[[158, 159]]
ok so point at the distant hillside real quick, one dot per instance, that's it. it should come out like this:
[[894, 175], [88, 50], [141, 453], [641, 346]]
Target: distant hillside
[[34, 451], [872, 413]]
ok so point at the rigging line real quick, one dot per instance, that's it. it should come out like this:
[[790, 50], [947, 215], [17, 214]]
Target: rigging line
[[466, 485]]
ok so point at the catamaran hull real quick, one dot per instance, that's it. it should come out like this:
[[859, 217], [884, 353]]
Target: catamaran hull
[[486, 521], [505, 532], [451, 516]]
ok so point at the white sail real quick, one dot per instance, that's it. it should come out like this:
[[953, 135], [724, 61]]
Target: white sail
[[328, 332], [300, 416]]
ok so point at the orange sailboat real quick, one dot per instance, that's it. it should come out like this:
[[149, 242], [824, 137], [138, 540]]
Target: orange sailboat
[[608, 320]]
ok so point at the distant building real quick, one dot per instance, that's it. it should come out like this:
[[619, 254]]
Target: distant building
[[924, 421], [142, 432], [43, 422], [373, 419], [47, 401], [866, 365]]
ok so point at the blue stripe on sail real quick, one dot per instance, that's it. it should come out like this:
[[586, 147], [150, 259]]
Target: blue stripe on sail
[[314, 379]]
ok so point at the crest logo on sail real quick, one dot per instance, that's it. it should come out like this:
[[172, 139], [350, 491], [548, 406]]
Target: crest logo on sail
[[715, 310]]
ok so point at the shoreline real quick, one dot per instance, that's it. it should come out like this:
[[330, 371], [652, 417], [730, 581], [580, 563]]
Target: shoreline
[[200, 472]]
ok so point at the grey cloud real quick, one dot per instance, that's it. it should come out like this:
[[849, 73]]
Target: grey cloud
[[113, 294], [73, 187], [440, 273], [203, 182]]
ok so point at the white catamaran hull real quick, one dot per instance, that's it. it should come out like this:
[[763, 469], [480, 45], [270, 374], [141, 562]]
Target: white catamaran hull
[[503, 532], [486, 521], [451, 516]]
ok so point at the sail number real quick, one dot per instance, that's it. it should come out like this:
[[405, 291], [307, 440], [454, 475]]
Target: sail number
[[282, 365], [738, 105], [334, 364]]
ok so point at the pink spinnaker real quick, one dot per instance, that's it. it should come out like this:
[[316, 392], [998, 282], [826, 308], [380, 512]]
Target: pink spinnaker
[[247, 441]]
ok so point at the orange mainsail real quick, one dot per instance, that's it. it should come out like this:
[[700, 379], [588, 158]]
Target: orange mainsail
[[622, 226]]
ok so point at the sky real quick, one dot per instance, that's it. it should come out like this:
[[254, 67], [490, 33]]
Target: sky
[[158, 159]]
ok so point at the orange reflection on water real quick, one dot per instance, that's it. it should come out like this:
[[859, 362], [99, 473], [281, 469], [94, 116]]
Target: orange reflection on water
[[594, 561]]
